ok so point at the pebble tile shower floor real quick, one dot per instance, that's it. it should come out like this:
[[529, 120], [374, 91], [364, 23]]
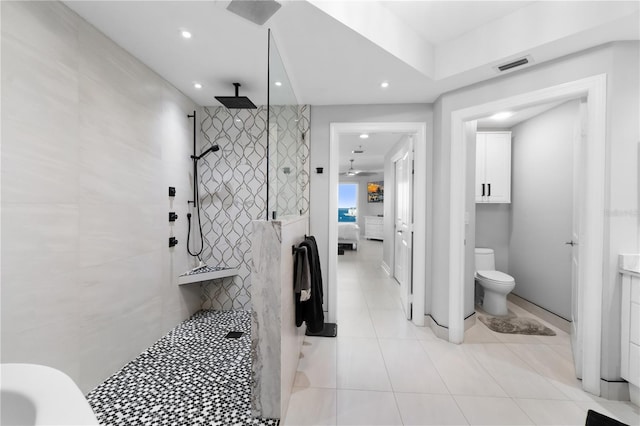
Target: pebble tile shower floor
[[191, 376]]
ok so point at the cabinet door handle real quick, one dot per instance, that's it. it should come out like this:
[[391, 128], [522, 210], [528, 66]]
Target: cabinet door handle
[[483, 189], [489, 194]]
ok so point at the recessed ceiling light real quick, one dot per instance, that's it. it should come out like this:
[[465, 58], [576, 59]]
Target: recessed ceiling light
[[185, 34], [384, 84], [501, 115], [278, 83], [364, 136], [197, 85]]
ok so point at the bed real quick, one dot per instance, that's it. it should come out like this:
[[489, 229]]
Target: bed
[[349, 233]]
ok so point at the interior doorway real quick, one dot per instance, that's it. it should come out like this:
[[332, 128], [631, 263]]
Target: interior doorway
[[532, 226], [590, 217], [415, 274]]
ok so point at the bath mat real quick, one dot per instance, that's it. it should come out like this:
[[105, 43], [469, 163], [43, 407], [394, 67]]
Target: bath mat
[[515, 325], [330, 330]]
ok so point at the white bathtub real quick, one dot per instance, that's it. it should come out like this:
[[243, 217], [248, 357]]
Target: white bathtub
[[33, 394]]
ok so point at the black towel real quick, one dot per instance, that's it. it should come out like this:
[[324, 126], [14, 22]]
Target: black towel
[[311, 311]]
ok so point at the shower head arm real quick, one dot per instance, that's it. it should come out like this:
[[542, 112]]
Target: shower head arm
[[214, 148]]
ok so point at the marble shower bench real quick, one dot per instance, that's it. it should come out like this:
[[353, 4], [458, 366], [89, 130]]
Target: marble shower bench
[[206, 273], [276, 342]]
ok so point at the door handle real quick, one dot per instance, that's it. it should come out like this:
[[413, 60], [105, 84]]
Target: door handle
[[483, 189], [571, 243]]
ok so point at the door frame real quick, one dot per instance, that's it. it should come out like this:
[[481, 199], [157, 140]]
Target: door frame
[[419, 129], [591, 260]]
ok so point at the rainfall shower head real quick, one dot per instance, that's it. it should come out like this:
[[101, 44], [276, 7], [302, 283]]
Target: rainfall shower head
[[256, 11], [236, 102], [214, 148]]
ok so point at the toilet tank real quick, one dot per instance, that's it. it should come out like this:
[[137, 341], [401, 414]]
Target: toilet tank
[[485, 259]]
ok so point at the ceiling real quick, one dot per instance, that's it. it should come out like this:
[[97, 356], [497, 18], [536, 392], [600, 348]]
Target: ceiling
[[338, 52], [433, 19], [375, 147], [518, 116]]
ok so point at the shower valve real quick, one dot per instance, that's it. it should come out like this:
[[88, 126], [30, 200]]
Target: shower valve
[[173, 242], [172, 216]]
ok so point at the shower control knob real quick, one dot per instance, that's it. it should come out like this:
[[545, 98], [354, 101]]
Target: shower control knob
[[172, 216], [173, 241]]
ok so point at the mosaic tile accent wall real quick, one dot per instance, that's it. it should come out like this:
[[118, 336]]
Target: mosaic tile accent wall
[[233, 188]]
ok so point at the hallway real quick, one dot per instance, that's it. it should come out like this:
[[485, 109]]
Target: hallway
[[383, 370]]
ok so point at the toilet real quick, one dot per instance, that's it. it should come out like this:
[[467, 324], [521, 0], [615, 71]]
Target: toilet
[[496, 284]]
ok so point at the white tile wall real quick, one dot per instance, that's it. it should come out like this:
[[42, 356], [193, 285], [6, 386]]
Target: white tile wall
[[91, 139]]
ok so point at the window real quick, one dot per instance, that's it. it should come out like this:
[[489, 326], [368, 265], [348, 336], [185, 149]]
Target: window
[[347, 202]]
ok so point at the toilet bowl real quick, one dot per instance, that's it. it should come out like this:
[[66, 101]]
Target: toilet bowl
[[496, 284]]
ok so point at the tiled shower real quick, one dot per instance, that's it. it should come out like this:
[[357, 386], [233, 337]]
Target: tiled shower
[[91, 140], [234, 188]]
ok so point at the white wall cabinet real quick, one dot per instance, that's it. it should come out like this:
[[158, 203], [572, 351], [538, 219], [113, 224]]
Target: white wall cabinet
[[374, 227], [493, 167]]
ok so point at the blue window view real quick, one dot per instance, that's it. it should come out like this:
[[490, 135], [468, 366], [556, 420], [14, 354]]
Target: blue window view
[[347, 202]]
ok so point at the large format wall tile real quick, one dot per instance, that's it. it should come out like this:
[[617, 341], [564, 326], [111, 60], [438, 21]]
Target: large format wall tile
[[91, 139], [116, 231], [43, 26], [39, 117], [135, 283], [39, 278]]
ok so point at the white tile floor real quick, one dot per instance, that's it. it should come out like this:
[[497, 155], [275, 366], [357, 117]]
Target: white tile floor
[[383, 370]]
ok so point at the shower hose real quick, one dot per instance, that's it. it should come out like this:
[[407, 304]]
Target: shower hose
[[197, 207]]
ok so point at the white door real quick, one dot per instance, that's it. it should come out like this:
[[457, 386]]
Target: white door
[[403, 220], [579, 139]]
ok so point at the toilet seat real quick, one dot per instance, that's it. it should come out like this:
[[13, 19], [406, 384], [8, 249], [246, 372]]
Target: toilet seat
[[495, 277]]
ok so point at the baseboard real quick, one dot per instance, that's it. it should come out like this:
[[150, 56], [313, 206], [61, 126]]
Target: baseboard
[[634, 395], [470, 321], [386, 268], [542, 313], [615, 391], [442, 332]]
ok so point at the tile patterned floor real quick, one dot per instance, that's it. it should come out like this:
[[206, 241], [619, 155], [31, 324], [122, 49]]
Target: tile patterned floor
[[191, 376], [382, 370]]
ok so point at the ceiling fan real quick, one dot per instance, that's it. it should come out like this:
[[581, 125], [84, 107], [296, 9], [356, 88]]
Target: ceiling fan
[[355, 172]]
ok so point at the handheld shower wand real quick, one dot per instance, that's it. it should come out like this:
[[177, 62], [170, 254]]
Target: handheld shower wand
[[196, 205]]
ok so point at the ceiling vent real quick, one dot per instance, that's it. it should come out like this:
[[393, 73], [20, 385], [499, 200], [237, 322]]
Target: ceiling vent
[[514, 64]]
